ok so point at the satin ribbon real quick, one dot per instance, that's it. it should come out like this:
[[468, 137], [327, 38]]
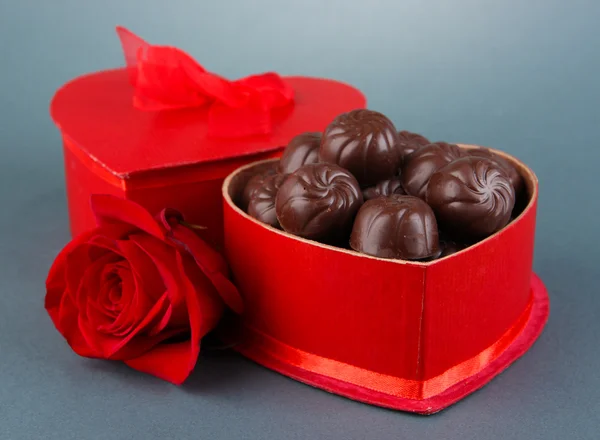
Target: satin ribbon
[[167, 78], [254, 340]]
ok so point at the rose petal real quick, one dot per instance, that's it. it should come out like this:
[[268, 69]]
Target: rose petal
[[64, 318], [111, 232], [56, 282], [163, 323], [212, 264], [91, 280], [132, 345], [144, 270], [175, 362], [163, 257], [129, 315], [209, 306], [207, 257], [170, 362], [110, 210]]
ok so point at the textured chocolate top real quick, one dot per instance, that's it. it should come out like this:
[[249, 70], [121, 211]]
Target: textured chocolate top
[[255, 183], [262, 200], [365, 143], [515, 178], [472, 197], [421, 165], [318, 201], [302, 150], [384, 188], [409, 142], [401, 227]]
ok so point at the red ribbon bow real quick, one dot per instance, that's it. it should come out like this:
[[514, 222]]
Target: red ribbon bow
[[167, 78]]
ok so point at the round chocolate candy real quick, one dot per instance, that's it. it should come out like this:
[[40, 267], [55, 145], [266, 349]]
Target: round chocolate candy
[[302, 150], [255, 183], [409, 142], [262, 201], [472, 197], [318, 201], [421, 165], [515, 178], [384, 188], [401, 227], [363, 142]]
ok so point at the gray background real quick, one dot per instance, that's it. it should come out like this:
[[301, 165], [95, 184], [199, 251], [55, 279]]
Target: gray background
[[519, 75]]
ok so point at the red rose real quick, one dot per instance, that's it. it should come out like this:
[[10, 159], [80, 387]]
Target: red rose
[[139, 289]]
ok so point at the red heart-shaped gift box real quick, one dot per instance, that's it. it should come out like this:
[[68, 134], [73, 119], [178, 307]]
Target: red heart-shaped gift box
[[167, 158], [405, 335]]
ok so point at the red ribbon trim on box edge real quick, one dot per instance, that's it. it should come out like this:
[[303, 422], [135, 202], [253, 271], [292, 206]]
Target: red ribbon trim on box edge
[[254, 339], [167, 78]]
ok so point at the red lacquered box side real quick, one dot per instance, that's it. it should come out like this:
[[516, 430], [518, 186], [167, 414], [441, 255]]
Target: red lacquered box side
[[466, 315], [195, 191], [81, 181], [315, 300], [410, 336]]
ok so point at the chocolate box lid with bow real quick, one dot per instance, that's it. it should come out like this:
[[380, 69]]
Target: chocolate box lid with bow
[[165, 131]]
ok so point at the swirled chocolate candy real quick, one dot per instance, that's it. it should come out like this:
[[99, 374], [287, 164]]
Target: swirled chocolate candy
[[515, 178], [318, 201], [262, 200], [401, 227], [423, 163], [302, 150], [365, 143], [255, 183], [409, 142], [472, 197], [384, 188]]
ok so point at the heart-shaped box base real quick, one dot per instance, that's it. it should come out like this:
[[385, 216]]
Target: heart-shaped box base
[[404, 335], [259, 348]]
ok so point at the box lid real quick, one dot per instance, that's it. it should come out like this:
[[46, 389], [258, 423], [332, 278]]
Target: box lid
[[95, 113]]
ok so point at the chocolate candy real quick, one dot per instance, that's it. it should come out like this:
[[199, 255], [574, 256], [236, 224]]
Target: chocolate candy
[[409, 142], [302, 150], [402, 227], [262, 200], [255, 183], [449, 247], [384, 188], [318, 201], [472, 197], [423, 163], [363, 142], [515, 178]]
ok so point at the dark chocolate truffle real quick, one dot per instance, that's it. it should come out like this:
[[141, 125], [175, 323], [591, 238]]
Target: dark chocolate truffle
[[384, 188], [363, 142], [421, 165], [409, 142], [515, 178], [262, 201], [472, 197], [302, 150], [402, 227], [255, 183], [318, 201]]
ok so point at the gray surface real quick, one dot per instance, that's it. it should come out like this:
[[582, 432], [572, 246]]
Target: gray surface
[[518, 75]]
